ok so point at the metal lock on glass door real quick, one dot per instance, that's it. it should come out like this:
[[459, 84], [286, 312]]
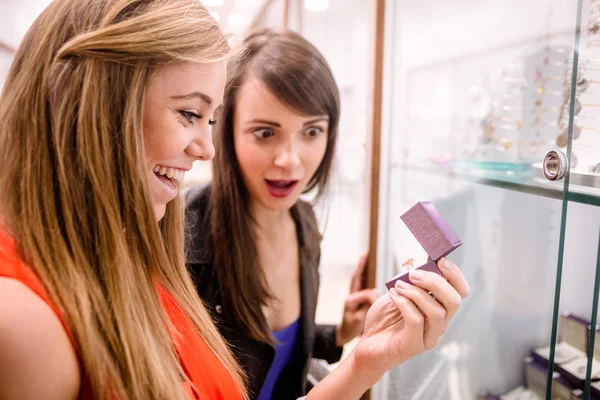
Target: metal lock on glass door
[[555, 165]]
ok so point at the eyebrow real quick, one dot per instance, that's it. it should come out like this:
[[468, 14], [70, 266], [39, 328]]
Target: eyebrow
[[278, 125], [314, 120], [264, 121], [192, 95]]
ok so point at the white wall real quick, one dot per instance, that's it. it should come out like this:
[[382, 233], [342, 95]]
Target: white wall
[[15, 19]]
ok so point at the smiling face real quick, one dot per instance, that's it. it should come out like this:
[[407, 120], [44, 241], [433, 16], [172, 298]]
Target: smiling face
[[278, 149], [178, 111]]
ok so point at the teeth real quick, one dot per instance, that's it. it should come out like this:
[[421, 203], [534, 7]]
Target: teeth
[[169, 172]]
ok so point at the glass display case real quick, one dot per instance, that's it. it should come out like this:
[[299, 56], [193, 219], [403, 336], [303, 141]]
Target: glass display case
[[491, 111]]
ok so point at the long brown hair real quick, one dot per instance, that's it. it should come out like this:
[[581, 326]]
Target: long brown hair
[[73, 189], [298, 75]]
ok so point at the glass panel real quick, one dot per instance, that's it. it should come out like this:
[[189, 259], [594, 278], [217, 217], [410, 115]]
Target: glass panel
[[574, 307], [593, 353], [479, 96], [581, 276]]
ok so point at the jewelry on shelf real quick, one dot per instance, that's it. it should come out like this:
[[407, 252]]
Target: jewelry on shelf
[[561, 140], [540, 90], [578, 105], [594, 18], [543, 110], [507, 143], [582, 84], [544, 79], [518, 123]]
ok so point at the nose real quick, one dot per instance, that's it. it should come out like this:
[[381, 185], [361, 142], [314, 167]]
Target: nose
[[287, 157], [201, 147]]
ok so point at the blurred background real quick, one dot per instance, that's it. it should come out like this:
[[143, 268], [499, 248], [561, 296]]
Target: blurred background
[[458, 102]]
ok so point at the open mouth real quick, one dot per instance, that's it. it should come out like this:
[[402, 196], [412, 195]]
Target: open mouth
[[169, 176], [281, 188]]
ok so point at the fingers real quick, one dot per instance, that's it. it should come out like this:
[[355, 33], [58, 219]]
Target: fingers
[[363, 298], [454, 276], [358, 274], [414, 322], [435, 314], [443, 291]]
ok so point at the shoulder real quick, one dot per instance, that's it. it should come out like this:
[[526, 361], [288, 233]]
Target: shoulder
[[305, 214], [36, 355], [309, 235]]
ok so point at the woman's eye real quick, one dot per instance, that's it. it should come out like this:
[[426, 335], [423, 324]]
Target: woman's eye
[[314, 132], [190, 116], [263, 133]]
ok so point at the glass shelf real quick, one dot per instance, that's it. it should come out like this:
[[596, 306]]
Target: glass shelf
[[522, 179]]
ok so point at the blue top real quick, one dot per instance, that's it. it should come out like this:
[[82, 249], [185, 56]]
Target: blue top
[[285, 341]]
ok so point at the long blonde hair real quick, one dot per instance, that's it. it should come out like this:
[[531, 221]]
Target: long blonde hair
[[73, 191]]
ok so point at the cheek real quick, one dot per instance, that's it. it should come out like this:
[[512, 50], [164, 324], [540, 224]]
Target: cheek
[[316, 154], [163, 139], [162, 150], [252, 159], [152, 127]]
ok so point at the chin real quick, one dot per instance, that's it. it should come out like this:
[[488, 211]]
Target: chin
[[159, 211], [283, 204]]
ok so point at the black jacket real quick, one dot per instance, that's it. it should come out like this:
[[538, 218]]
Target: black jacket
[[316, 341]]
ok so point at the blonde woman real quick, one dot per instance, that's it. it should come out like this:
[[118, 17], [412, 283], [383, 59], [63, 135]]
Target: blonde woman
[[107, 104]]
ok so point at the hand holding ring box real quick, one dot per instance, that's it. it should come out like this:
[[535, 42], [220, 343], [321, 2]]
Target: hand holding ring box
[[433, 233]]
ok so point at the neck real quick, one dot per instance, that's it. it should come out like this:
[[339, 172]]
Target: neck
[[269, 222]]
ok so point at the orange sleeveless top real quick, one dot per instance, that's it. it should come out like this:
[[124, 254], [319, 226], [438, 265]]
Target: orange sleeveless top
[[208, 377]]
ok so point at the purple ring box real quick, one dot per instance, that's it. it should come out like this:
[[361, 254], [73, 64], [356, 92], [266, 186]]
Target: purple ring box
[[433, 233]]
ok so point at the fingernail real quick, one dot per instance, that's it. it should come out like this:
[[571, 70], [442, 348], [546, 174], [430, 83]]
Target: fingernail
[[416, 276], [446, 264], [400, 284], [393, 292]]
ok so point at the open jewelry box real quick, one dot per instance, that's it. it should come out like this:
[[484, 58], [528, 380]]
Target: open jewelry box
[[432, 232]]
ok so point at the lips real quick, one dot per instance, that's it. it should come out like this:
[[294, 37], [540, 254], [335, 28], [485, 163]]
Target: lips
[[281, 188], [169, 182]]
